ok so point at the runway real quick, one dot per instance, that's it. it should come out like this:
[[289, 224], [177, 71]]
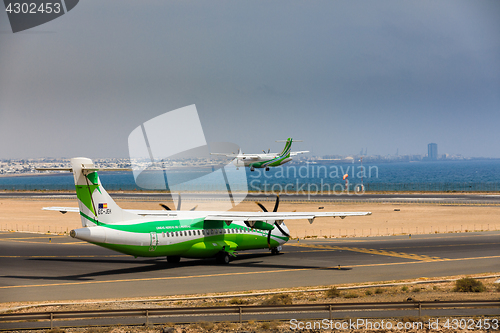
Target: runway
[[441, 198], [50, 268]]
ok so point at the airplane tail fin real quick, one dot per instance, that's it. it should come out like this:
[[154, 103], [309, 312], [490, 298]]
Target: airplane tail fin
[[95, 204], [288, 147]]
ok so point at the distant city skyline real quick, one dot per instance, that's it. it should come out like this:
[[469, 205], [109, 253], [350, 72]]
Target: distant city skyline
[[432, 151], [387, 76]]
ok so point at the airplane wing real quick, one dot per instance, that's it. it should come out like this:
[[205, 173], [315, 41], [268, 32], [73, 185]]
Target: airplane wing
[[247, 216], [277, 216], [251, 157], [295, 153], [63, 210], [239, 156], [229, 215], [222, 154]]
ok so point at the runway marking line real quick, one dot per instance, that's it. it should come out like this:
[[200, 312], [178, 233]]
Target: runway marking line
[[40, 237], [450, 245], [366, 238], [372, 251], [42, 241], [233, 273], [75, 256]]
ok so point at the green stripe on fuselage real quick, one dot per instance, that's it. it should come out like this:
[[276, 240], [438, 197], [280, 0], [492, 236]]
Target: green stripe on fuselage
[[203, 247]]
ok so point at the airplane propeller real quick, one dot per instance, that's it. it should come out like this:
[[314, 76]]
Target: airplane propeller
[[267, 151], [275, 209], [178, 205]]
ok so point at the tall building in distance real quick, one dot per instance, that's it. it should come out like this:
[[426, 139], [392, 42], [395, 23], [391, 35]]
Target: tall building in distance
[[432, 151]]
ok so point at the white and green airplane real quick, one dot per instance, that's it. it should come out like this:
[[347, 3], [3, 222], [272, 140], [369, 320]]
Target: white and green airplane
[[174, 234], [265, 160]]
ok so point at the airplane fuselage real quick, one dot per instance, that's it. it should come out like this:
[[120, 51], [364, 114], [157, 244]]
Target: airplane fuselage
[[185, 238], [262, 161]]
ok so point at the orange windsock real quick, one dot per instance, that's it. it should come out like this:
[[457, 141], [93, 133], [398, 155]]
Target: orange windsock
[[345, 176]]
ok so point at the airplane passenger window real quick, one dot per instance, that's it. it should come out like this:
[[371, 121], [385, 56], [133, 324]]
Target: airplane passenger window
[[189, 232]]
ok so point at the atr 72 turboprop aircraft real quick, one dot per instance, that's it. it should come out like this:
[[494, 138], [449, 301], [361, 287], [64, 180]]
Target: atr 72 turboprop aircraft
[[174, 234], [265, 160]]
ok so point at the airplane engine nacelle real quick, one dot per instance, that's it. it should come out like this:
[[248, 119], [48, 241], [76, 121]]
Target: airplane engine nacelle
[[260, 225]]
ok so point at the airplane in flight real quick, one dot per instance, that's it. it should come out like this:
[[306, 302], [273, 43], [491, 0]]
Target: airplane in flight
[[174, 234], [265, 160]]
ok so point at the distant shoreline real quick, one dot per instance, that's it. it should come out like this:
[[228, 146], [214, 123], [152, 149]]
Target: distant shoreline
[[313, 194], [33, 174]]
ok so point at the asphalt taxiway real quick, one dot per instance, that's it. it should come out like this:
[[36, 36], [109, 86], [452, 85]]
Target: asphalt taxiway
[[37, 267]]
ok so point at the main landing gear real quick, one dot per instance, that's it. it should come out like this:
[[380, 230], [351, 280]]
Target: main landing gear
[[222, 258], [252, 169], [173, 259], [267, 168]]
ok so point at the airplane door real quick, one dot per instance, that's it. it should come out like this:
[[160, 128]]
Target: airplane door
[[154, 242]]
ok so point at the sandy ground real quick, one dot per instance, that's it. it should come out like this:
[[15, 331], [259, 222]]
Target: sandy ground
[[408, 291], [27, 215]]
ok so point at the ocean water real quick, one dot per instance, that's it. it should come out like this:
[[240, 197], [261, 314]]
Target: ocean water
[[472, 175]]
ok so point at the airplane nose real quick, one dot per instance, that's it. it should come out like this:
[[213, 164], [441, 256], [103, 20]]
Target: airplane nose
[[282, 228]]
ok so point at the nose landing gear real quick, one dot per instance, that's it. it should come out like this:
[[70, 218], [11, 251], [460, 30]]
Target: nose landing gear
[[276, 250]]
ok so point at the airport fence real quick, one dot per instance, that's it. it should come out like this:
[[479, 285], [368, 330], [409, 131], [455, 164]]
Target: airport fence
[[142, 316]]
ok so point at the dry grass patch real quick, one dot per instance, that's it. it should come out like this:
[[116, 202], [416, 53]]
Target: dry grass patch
[[351, 295], [239, 301], [469, 285], [280, 299], [332, 292]]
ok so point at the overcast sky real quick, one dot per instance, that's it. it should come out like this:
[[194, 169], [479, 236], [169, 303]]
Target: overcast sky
[[340, 75]]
